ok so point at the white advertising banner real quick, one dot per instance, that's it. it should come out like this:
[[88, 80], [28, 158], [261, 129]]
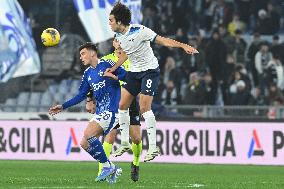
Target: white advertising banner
[[18, 55], [179, 142], [94, 16]]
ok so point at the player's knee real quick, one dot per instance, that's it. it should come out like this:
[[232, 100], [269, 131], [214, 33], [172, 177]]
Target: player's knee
[[122, 106], [87, 134], [110, 138], [84, 143], [136, 139], [145, 107]]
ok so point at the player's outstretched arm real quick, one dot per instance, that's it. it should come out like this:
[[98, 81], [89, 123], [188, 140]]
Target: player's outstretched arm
[[121, 59], [173, 43], [55, 109]]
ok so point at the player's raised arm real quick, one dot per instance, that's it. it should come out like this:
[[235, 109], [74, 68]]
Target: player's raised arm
[[118, 74], [121, 59], [173, 43]]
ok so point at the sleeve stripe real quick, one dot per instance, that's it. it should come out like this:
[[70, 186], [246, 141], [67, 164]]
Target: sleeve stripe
[[154, 38], [110, 62]]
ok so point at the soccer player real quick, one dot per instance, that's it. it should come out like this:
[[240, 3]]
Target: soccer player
[[135, 132], [143, 76], [106, 92]]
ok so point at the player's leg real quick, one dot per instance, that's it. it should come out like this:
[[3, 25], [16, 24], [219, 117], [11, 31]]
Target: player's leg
[[128, 92], [148, 88], [136, 149], [107, 145], [135, 135], [99, 124], [124, 120], [93, 146]]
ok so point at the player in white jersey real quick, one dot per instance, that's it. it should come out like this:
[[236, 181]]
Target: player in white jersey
[[144, 73]]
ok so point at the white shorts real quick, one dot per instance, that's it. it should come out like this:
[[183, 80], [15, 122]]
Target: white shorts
[[107, 120]]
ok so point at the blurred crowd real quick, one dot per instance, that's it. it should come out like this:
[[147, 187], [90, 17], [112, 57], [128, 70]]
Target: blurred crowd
[[229, 69]]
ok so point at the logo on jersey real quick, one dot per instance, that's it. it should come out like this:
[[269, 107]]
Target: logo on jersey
[[101, 73], [89, 78], [72, 139], [97, 86]]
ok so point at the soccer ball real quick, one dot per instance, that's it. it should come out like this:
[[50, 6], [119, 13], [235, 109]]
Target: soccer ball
[[50, 37]]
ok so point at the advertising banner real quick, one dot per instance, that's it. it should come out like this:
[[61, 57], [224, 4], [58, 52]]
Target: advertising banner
[[18, 55], [179, 142], [94, 16]]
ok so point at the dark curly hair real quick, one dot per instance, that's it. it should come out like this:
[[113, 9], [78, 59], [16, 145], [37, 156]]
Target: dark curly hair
[[121, 13]]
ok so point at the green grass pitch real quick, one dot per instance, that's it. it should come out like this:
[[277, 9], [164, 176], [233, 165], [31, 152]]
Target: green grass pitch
[[80, 175]]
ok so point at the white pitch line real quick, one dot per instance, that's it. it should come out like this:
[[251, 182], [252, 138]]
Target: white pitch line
[[54, 187], [189, 186]]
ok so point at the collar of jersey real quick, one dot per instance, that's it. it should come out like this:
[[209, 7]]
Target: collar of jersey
[[127, 32]]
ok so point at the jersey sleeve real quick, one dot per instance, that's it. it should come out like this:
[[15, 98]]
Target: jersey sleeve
[[120, 73], [82, 94], [148, 34]]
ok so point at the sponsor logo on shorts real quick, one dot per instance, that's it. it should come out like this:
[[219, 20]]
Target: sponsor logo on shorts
[[137, 118]]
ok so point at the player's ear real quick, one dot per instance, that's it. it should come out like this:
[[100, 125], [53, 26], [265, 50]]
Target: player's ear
[[119, 22]]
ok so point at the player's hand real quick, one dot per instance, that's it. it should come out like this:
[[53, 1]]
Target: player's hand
[[111, 75], [189, 49], [90, 107], [55, 109], [111, 70]]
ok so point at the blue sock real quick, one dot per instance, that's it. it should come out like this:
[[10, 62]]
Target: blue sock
[[96, 149]]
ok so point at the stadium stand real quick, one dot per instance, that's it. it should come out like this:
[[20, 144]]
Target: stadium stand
[[212, 83]]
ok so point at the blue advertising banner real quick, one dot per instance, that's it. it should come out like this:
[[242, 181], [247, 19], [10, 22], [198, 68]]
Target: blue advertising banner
[[18, 54], [94, 16]]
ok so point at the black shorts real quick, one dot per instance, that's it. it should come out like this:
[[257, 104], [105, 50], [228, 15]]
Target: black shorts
[[133, 113], [145, 82]]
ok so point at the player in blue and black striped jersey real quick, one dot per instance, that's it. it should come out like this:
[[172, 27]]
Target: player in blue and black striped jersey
[[106, 93]]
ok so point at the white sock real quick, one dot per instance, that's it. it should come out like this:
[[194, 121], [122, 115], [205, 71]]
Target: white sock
[[108, 163], [124, 121], [150, 122]]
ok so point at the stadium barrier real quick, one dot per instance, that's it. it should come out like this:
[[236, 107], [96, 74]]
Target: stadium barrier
[[180, 142], [169, 112]]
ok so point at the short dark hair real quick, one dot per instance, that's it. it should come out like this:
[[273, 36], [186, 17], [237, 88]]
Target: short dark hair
[[89, 46], [121, 13]]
